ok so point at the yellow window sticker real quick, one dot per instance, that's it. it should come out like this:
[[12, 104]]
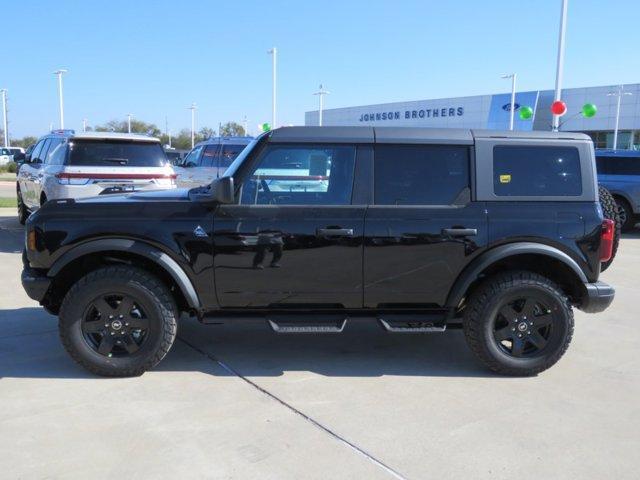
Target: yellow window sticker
[[505, 178]]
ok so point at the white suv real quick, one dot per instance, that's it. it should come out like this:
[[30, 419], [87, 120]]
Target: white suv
[[64, 164]]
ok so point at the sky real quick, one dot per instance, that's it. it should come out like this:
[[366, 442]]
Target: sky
[[154, 58]]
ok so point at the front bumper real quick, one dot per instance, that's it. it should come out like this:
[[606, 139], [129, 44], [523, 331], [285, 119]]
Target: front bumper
[[35, 282], [598, 297]]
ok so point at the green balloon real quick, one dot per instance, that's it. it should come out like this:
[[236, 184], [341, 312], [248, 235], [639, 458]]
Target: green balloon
[[526, 112], [589, 110], [265, 127]]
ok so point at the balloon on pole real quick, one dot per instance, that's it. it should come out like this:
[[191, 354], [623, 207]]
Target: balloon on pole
[[589, 110], [265, 127], [525, 112], [558, 108]]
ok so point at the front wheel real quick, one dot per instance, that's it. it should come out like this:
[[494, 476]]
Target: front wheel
[[518, 323], [118, 321]]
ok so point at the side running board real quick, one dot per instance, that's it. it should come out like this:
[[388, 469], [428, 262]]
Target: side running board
[[316, 324], [418, 324]]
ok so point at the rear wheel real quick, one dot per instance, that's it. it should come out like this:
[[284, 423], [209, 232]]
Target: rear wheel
[[610, 210], [23, 212], [627, 219], [518, 323], [118, 321]]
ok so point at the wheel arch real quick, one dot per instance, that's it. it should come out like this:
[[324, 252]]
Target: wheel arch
[[92, 254], [543, 259]]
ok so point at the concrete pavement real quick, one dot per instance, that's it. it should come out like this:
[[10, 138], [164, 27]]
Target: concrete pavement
[[237, 401]]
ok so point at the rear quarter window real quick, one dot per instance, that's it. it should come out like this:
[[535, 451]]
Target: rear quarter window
[[537, 171], [116, 153]]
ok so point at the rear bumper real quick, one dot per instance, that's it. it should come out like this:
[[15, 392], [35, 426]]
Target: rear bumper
[[598, 297]]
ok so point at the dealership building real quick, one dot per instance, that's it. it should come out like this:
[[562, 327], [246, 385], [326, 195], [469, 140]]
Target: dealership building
[[492, 112]]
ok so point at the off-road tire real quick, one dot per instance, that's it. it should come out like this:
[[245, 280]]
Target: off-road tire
[[610, 211], [488, 298], [23, 212], [140, 285]]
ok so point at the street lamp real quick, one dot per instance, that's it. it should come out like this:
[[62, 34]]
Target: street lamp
[[560, 63], [84, 124], [321, 93], [619, 93], [4, 113], [59, 73], [274, 53], [512, 76], [129, 115], [193, 108]]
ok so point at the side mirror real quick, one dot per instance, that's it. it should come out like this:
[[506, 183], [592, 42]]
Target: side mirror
[[222, 190]]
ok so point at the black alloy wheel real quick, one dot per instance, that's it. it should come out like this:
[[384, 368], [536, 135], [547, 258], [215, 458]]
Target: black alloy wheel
[[523, 327], [518, 323], [115, 325]]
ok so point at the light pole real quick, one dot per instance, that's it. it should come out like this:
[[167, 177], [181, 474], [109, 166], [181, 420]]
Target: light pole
[[4, 118], [129, 115], [619, 93], [274, 53], [512, 110], [560, 63], [193, 124], [321, 93], [59, 73], [84, 124], [245, 126]]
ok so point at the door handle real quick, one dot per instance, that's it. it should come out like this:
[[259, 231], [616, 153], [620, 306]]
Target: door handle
[[460, 232], [334, 232]]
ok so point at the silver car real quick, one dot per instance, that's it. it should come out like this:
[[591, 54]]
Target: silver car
[[209, 160], [64, 164]]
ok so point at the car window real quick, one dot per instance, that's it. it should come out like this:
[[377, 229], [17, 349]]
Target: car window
[[229, 154], [618, 165], [301, 175], [37, 149], [191, 160], [55, 143], [209, 157], [57, 154], [6, 151], [536, 171], [45, 149], [116, 153], [420, 174]]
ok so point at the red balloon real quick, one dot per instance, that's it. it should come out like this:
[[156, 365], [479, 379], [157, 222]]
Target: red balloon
[[558, 107]]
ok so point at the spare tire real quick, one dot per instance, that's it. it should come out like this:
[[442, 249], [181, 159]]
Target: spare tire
[[610, 211]]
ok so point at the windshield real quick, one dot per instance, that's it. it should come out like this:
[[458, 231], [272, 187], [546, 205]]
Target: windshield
[[116, 153], [233, 168]]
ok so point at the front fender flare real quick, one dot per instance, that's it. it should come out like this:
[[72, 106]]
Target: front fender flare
[[136, 247], [477, 266]]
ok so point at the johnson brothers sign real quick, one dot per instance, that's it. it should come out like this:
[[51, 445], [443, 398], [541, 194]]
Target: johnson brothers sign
[[411, 114]]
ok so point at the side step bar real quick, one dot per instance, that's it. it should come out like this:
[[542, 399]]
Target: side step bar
[[418, 324], [314, 324]]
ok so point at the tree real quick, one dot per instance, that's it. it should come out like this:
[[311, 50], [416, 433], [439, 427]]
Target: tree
[[23, 142], [122, 126], [232, 129]]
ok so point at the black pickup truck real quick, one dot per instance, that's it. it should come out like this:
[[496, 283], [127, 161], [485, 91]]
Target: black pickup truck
[[500, 233]]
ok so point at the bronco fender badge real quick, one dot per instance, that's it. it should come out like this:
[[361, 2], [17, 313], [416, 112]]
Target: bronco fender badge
[[199, 232]]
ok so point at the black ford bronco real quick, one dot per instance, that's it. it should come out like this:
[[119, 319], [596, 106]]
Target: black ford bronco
[[499, 233]]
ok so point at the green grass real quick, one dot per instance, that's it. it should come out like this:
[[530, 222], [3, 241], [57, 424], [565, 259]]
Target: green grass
[[8, 202], [7, 177]]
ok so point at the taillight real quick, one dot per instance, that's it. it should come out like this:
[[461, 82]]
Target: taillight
[[606, 240]]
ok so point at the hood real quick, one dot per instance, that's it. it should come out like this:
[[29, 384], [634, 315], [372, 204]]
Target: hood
[[170, 195]]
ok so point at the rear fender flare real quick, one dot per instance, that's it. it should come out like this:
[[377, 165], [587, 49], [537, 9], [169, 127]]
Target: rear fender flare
[[477, 266], [136, 247]]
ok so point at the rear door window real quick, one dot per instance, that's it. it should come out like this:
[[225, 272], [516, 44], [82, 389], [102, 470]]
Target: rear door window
[[539, 171], [229, 154], [420, 174], [116, 153], [618, 165]]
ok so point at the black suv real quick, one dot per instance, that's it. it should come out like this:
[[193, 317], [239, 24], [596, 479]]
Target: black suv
[[499, 233]]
